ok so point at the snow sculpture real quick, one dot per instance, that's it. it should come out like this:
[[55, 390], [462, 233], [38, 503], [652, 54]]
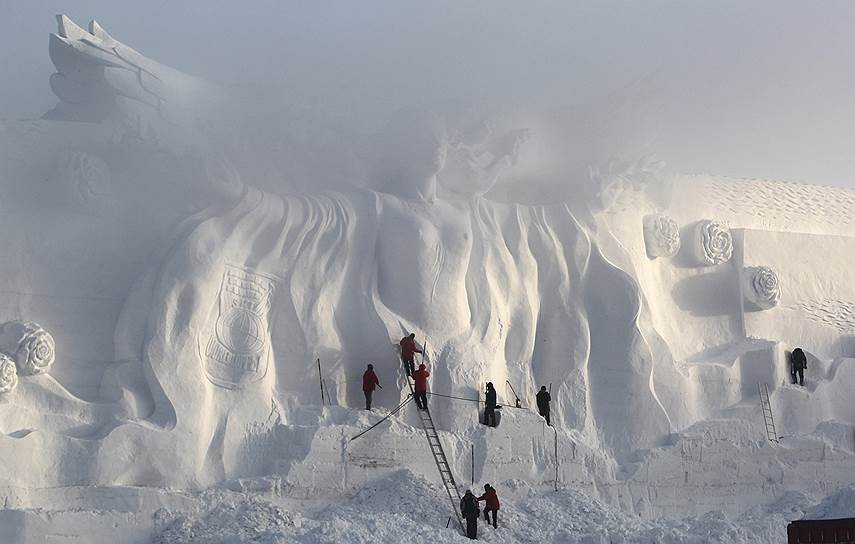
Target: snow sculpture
[[32, 346], [8, 374], [606, 188], [235, 345], [81, 177], [661, 236], [760, 287], [713, 243], [98, 77], [477, 161]]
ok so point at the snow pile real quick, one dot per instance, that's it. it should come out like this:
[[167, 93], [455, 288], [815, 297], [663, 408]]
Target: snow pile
[[249, 519], [403, 507]]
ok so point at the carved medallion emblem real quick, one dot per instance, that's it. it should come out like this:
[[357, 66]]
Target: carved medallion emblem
[[235, 345]]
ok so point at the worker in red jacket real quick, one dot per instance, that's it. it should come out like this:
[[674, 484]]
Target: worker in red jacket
[[491, 504], [369, 381], [408, 352], [420, 376]]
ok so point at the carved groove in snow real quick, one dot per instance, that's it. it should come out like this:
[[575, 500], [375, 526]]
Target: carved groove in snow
[[837, 314]]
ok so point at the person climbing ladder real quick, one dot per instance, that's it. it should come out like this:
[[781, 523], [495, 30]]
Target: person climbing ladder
[[420, 377], [408, 352]]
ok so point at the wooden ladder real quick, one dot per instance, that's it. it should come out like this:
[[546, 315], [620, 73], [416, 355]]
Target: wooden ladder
[[768, 419]]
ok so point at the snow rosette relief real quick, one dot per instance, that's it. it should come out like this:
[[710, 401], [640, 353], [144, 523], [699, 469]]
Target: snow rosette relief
[[661, 236], [34, 349], [761, 287], [8, 374], [713, 243]]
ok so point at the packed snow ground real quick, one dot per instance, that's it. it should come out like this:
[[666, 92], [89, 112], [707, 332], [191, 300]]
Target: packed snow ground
[[406, 508]]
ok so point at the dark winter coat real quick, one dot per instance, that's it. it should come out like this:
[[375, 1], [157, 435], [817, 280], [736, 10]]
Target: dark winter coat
[[491, 398], [543, 399], [469, 506], [369, 381], [799, 359]]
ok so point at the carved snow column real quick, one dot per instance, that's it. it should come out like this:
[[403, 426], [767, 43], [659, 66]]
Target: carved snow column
[[760, 287], [661, 236], [8, 374], [30, 345], [713, 243]]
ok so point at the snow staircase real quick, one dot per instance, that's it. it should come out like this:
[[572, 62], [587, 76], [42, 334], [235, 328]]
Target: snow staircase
[[768, 419], [439, 456]]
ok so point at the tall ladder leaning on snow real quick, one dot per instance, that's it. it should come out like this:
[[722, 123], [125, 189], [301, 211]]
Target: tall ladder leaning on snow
[[768, 419], [438, 455]]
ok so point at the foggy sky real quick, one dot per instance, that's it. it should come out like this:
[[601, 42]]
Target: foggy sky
[[763, 89]]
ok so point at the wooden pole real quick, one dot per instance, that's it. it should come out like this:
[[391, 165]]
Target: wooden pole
[[321, 381], [473, 464], [556, 458]]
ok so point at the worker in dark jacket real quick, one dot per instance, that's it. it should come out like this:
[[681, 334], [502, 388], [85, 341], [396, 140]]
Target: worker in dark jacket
[[408, 352], [490, 406], [799, 364], [491, 500], [470, 512], [369, 382], [420, 376], [543, 399]]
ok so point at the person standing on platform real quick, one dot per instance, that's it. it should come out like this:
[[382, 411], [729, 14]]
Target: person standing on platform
[[369, 382], [490, 406], [799, 364], [543, 400]]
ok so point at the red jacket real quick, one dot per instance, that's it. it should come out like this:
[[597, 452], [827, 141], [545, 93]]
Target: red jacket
[[492, 500], [408, 348], [420, 376], [369, 380]]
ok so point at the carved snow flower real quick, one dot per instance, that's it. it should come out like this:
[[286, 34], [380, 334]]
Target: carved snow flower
[[8, 374], [713, 243], [35, 351], [661, 236], [760, 286]]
